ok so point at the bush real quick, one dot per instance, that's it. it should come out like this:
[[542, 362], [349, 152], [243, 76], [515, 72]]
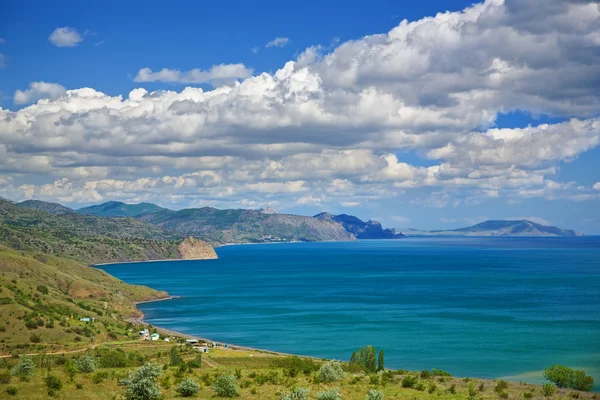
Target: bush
[[196, 362], [99, 377], [293, 365], [295, 394], [53, 382], [580, 381], [329, 394], [35, 338], [141, 384], [528, 395], [409, 381], [375, 395], [431, 389], [12, 391], [79, 386], [452, 389], [559, 375], [24, 369], [374, 380], [187, 388], [42, 289], [330, 372], [86, 364], [113, 359], [175, 358], [225, 386], [471, 391], [501, 386], [70, 370], [5, 377], [548, 390]]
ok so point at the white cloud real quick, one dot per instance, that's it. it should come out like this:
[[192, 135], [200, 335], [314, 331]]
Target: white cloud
[[400, 219], [65, 37], [350, 203], [216, 75], [278, 42], [333, 126], [38, 90], [597, 186]]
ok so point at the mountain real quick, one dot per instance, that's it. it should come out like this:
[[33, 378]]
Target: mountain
[[359, 228], [52, 208], [246, 226], [500, 228], [119, 209], [85, 238]]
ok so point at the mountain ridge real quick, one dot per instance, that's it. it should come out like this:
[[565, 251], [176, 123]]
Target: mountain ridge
[[505, 228]]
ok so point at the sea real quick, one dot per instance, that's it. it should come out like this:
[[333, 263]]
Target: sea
[[478, 307]]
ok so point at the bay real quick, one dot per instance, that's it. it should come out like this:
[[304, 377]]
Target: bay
[[479, 307]]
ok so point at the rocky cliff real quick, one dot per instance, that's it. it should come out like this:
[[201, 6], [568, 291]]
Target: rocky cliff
[[196, 249]]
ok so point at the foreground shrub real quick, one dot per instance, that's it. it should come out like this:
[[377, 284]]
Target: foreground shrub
[[86, 364], [226, 386], [141, 384], [187, 388], [294, 365], [295, 394], [548, 389], [565, 377], [409, 381], [24, 369], [11, 391], [330, 372], [375, 395], [329, 394], [5, 377], [581, 381], [53, 382]]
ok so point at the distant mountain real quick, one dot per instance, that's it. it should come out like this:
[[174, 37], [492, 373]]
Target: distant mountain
[[268, 210], [52, 208], [359, 228], [119, 209], [246, 226], [500, 228]]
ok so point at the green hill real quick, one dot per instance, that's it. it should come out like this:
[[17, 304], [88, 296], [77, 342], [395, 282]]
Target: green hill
[[119, 209], [52, 208]]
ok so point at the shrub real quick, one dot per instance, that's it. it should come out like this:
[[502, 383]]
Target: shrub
[[548, 390], [295, 394], [431, 388], [425, 374], [79, 386], [141, 384], [42, 289], [374, 380], [53, 382], [12, 391], [175, 358], [559, 375], [35, 338], [24, 369], [70, 370], [409, 381], [501, 386], [187, 388], [329, 394], [86, 364], [581, 381], [99, 377], [471, 391], [528, 395], [375, 395], [293, 365], [113, 359], [196, 362], [452, 389], [225, 386], [330, 372]]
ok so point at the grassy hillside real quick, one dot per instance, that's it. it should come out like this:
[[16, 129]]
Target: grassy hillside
[[119, 209], [246, 226], [88, 239], [43, 297]]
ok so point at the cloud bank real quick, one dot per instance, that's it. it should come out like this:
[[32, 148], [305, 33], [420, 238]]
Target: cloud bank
[[65, 37]]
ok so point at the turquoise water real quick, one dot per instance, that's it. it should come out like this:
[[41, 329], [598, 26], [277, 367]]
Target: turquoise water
[[482, 307]]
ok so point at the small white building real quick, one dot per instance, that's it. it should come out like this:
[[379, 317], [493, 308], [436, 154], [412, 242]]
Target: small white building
[[154, 336]]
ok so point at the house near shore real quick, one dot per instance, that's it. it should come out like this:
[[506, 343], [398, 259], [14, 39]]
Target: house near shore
[[154, 336], [203, 349], [167, 339], [145, 334], [191, 341], [87, 319]]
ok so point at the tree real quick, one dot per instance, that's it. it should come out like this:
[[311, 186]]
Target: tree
[[559, 375], [175, 358], [330, 372], [86, 364], [141, 384], [366, 359], [187, 388], [225, 386], [24, 369], [380, 361], [70, 370], [370, 361], [53, 382]]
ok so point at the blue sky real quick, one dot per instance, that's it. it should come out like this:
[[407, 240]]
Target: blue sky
[[488, 111]]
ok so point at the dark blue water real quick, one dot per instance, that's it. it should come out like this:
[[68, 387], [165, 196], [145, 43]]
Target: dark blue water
[[483, 307]]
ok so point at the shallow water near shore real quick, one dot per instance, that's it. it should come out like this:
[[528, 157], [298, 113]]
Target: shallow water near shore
[[480, 307]]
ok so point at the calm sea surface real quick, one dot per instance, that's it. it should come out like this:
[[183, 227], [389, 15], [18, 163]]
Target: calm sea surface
[[483, 307]]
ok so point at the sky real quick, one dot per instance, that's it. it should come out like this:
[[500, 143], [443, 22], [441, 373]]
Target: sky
[[429, 114]]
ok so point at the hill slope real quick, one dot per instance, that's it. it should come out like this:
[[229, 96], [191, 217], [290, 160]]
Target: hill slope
[[501, 228], [85, 238], [52, 208], [119, 209], [360, 228], [246, 226]]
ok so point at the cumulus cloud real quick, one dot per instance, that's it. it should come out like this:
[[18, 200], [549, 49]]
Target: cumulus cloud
[[334, 125], [216, 75], [278, 42], [65, 37], [38, 90], [597, 186]]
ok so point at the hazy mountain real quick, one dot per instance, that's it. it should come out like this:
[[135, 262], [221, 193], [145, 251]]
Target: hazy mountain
[[359, 228], [246, 226], [499, 228], [119, 209], [52, 208]]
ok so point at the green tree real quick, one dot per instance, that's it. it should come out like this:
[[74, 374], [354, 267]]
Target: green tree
[[581, 381], [380, 361], [187, 388], [53, 382], [560, 375], [24, 369], [141, 384], [175, 358], [226, 386], [70, 370]]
